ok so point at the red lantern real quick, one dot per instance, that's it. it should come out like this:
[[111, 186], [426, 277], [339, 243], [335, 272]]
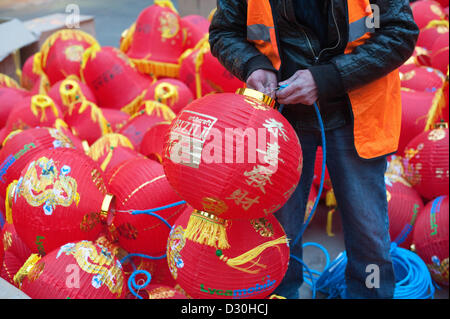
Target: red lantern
[[204, 74], [58, 198], [426, 11], [67, 91], [152, 143], [440, 55], [428, 35], [9, 98], [426, 163], [422, 78], [87, 121], [76, 270], [171, 92], [29, 79], [431, 238], [149, 114], [140, 184], [195, 28], [157, 40], [111, 150], [251, 266], [115, 118], [414, 115], [113, 79], [15, 253], [20, 147], [404, 206], [61, 54], [33, 111]]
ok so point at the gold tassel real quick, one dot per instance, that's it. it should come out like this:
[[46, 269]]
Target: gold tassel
[[107, 141], [96, 116], [10, 190], [127, 38], [166, 93], [41, 102], [162, 69], [207, 229], [330, 222], [8, 82], [25, 269], [107, 159], [251, 255], [70, 92], [132, 107], [88, 54], [330, 199], [437, 105], [202, 47], [437, 23], [158, 109]]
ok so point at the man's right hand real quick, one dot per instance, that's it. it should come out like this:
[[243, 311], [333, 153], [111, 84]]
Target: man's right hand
[[264, 81]]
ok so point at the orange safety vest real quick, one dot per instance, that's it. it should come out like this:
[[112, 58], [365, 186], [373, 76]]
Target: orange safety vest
[[376, 106]]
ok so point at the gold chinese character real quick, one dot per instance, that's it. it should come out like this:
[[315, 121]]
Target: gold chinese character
[[240, 198], [259, 177]]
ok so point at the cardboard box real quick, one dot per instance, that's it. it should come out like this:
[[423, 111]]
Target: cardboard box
[[199, 7], [15, 39]]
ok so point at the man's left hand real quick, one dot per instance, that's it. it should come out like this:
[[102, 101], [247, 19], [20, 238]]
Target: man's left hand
[[301, 89]]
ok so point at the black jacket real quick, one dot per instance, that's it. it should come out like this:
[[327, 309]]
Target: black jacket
[[334, 72]]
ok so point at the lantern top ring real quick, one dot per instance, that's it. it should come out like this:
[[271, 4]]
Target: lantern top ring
[[267, 100], [106, 205]]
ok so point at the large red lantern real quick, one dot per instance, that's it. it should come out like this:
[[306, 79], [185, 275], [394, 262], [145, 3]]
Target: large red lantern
[[415, 108], [425, 11], [113, 78], [404, 206], [431, 238], [204, 74], [440, 55], [9, 98], [251, 266], [428, 35], [171, 92], [157, 40], [33, 111], [58, 198], [427, 164], [61, 54], [149, 114], [76, 270], [140, 184], [21, 146], [15, 253], [152, 143], [195, 28], [422, 78]]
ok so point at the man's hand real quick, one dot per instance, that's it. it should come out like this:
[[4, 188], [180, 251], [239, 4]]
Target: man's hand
[[301, 89], [263, 81]]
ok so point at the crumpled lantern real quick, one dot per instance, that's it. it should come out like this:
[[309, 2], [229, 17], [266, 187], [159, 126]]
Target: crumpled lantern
[[204, 74], [21, 146], [404, 206], [140, 184], [111, 150], [425, 11], [15, 253], [431, 238], [152, 143], [414, 115], [33, 111], [195, 27], [57, 199], [252, 266], [61, 54], [113, 78], [171, 92], [422, 78], [426, 163], [86, 121], [231, 156], [69, 90], [76, 270], [156, 40], [149, 114], [9, 98]]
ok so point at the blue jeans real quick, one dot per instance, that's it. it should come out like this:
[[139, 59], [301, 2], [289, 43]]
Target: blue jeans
[[360, 192]]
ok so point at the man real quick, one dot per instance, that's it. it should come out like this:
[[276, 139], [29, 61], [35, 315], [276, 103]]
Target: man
[[341, 55]]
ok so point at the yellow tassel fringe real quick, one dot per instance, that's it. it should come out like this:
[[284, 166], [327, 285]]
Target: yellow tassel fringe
[[10, 190], [437, 105], [207, 229]]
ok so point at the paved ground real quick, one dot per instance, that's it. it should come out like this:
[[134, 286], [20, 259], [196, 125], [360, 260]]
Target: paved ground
[[111, 18]]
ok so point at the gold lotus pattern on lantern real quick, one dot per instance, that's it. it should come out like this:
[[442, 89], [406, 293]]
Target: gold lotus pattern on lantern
[[106, 271], [175, 244], [263, 227], [50, 187], [74, 53], [169, 25]]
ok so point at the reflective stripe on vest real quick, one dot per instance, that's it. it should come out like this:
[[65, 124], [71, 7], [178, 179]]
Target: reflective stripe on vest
[[261, 30]]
